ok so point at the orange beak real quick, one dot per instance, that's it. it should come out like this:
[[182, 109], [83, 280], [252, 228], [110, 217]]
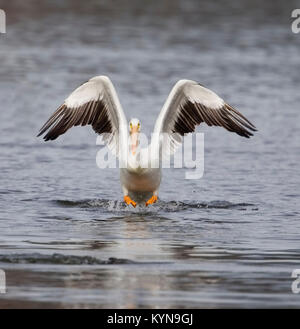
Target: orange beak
[[134, 131]]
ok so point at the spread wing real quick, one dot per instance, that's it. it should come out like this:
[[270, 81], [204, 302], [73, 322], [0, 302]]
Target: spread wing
[[93, 103], [188, 105]]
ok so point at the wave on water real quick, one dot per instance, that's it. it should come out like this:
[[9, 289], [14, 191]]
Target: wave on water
[[168, 206], [59, 259]]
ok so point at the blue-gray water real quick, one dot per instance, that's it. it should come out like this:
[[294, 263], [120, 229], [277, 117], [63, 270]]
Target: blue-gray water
[[230, 239]]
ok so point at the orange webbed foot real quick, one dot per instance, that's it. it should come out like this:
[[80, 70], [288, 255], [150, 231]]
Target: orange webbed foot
[[152, 200], [129, 201]]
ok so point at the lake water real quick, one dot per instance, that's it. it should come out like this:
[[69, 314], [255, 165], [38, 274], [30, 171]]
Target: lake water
[[229, 239]]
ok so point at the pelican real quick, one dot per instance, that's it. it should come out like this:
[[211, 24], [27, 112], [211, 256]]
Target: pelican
[[189, 103]]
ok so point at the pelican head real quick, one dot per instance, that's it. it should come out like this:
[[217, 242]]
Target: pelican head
[[134, 126], [134, 129]]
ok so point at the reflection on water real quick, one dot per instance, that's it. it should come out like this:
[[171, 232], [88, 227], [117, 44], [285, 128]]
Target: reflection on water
[[161, 261], [230, 239]]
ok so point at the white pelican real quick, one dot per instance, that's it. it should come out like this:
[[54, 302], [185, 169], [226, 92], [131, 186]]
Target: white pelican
[[96, 103]]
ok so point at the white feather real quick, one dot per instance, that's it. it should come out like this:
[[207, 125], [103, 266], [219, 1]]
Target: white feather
[[101, 88], [182, 91], [199, 94]]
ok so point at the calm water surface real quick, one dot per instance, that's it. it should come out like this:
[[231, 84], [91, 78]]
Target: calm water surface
[[230, 239]]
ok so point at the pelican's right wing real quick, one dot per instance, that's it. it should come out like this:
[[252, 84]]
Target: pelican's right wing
[[93, 103], [190, 104]]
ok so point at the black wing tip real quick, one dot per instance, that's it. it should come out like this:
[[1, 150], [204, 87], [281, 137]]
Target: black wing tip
[[245, 133], [252, 127], [47, 137], [244, 122], [39, 134], [253, 130], [231, 108], [249, 134], [50, 137]]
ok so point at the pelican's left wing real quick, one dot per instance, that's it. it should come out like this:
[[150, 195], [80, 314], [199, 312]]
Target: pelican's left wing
[[93, 103], [190, 104]]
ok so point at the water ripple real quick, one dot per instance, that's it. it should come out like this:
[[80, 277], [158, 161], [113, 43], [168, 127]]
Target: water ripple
[[59, 259], [168, 206]]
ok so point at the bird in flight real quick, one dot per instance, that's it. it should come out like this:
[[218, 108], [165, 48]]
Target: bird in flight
[[189, 104]]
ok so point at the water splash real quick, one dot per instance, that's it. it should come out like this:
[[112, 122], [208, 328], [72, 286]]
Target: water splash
[[168, 206]]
